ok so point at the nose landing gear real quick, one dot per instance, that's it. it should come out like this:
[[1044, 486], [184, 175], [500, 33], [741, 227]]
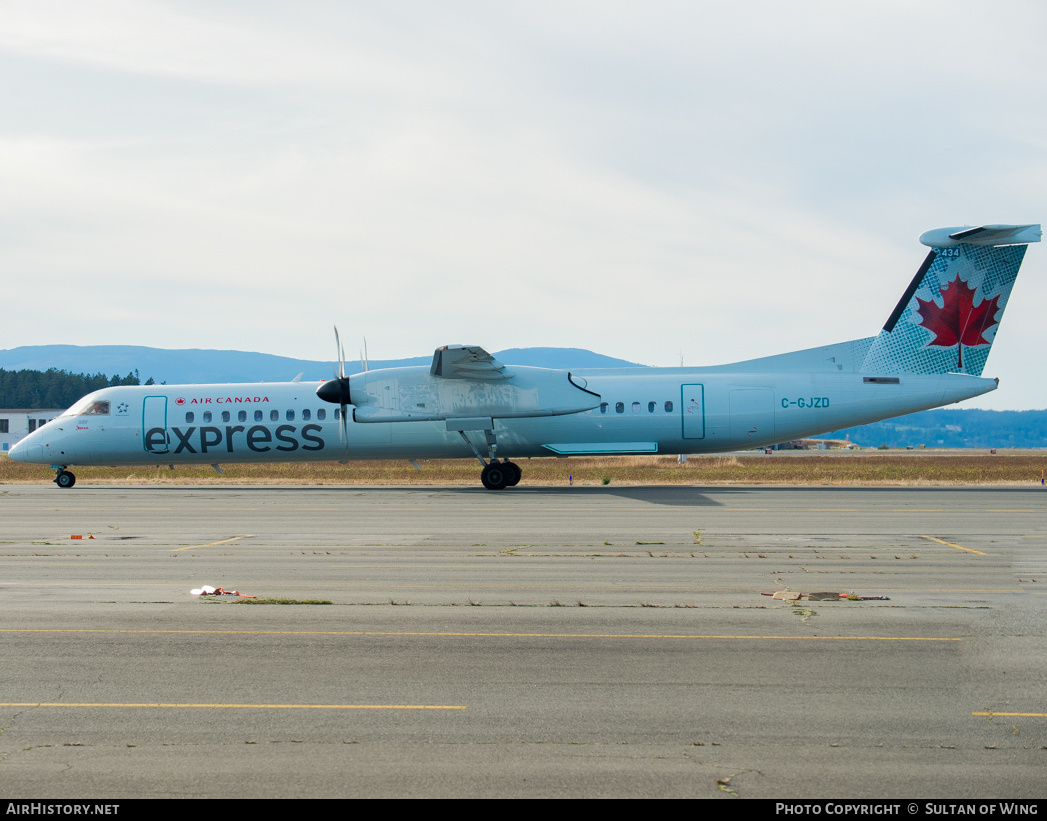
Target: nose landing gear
[[64, 478]]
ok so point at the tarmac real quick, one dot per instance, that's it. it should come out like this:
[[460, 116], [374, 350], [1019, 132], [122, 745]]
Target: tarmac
[[534, 642]]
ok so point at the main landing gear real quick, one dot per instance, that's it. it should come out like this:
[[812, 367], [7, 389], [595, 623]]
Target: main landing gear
[[495, 475], [64, 478], [500, 475]]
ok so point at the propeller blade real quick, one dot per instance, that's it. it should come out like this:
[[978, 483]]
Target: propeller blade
[[336, 391], [341, 353], [344, 430]]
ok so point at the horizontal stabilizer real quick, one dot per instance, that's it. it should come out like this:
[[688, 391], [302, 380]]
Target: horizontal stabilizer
[[981, 235]]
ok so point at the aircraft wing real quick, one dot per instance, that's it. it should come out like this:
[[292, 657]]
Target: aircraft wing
[[467, 383], [467, 362]]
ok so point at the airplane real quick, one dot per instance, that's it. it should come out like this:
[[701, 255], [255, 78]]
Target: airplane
[[930, 352]]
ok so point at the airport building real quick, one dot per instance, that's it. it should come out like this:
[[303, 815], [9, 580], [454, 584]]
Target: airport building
[[17, 423]]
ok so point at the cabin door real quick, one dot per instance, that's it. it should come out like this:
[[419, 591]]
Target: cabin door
[[155, 436], [752, 416], [692, 411]]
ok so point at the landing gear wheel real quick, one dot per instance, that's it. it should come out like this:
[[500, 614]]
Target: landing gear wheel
[[65, 479], [495, 476], [514, 472]]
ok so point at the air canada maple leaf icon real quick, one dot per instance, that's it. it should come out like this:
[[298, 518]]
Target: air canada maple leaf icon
[[958, 321]]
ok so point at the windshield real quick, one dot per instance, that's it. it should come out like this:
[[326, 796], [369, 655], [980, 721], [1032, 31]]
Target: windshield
[[89, 407]]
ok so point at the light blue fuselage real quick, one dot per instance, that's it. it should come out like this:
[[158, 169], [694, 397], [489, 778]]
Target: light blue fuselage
[[636, 410]]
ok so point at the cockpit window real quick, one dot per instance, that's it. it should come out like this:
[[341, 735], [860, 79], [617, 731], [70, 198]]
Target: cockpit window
[[89, 407]]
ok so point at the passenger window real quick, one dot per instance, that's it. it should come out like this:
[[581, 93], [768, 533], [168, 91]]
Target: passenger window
[[257, 416], [321, 414], [225, 416], [207, 416], [189, 416], [651, 406], [668, 407], [337, 413], [603, 407], [636, 407], [305, 415], [290, 415], [274, 416], [241, 416], [619, 407]]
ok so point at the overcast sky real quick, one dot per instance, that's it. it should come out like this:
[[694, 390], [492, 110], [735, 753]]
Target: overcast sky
[[646, 180]]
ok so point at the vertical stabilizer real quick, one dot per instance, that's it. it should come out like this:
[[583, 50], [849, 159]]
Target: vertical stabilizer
[[947, 318]]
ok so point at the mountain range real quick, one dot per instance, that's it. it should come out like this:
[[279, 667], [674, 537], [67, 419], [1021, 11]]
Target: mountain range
[[203, 366]]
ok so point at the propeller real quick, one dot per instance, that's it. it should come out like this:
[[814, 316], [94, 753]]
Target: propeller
[[336, 391]]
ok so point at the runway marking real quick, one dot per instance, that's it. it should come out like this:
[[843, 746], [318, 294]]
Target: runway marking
[[237, 706], [950, 544], [103, 509], [651, 508], [448, 634], [992, 713], [212, 544]]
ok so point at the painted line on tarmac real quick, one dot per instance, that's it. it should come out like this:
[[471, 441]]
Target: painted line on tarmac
[[992, 714], [237, 706], [447, 634], [212, 544], [950, 544]]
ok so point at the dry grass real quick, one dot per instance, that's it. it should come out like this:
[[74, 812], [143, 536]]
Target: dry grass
[[797, 468]]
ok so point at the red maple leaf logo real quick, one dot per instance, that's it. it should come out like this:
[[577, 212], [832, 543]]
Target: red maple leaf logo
[[959, 321]]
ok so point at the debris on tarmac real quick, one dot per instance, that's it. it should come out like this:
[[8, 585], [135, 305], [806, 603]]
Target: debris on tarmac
[[207, 590], [789, 595]]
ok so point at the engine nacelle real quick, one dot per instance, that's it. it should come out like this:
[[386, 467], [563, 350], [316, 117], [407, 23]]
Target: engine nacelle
[[416, 395]]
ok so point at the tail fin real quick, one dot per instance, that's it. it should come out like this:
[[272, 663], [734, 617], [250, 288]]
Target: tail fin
[[947, 318]]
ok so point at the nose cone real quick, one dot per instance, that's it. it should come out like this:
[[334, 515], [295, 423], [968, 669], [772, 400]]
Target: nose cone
[[19, 452], [30, 449]]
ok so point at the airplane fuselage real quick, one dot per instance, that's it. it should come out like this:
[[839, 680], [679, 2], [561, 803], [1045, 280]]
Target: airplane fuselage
[[635, 410]]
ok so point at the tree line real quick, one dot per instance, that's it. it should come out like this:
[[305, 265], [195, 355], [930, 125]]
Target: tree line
[[954, 428], [54, 388]]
